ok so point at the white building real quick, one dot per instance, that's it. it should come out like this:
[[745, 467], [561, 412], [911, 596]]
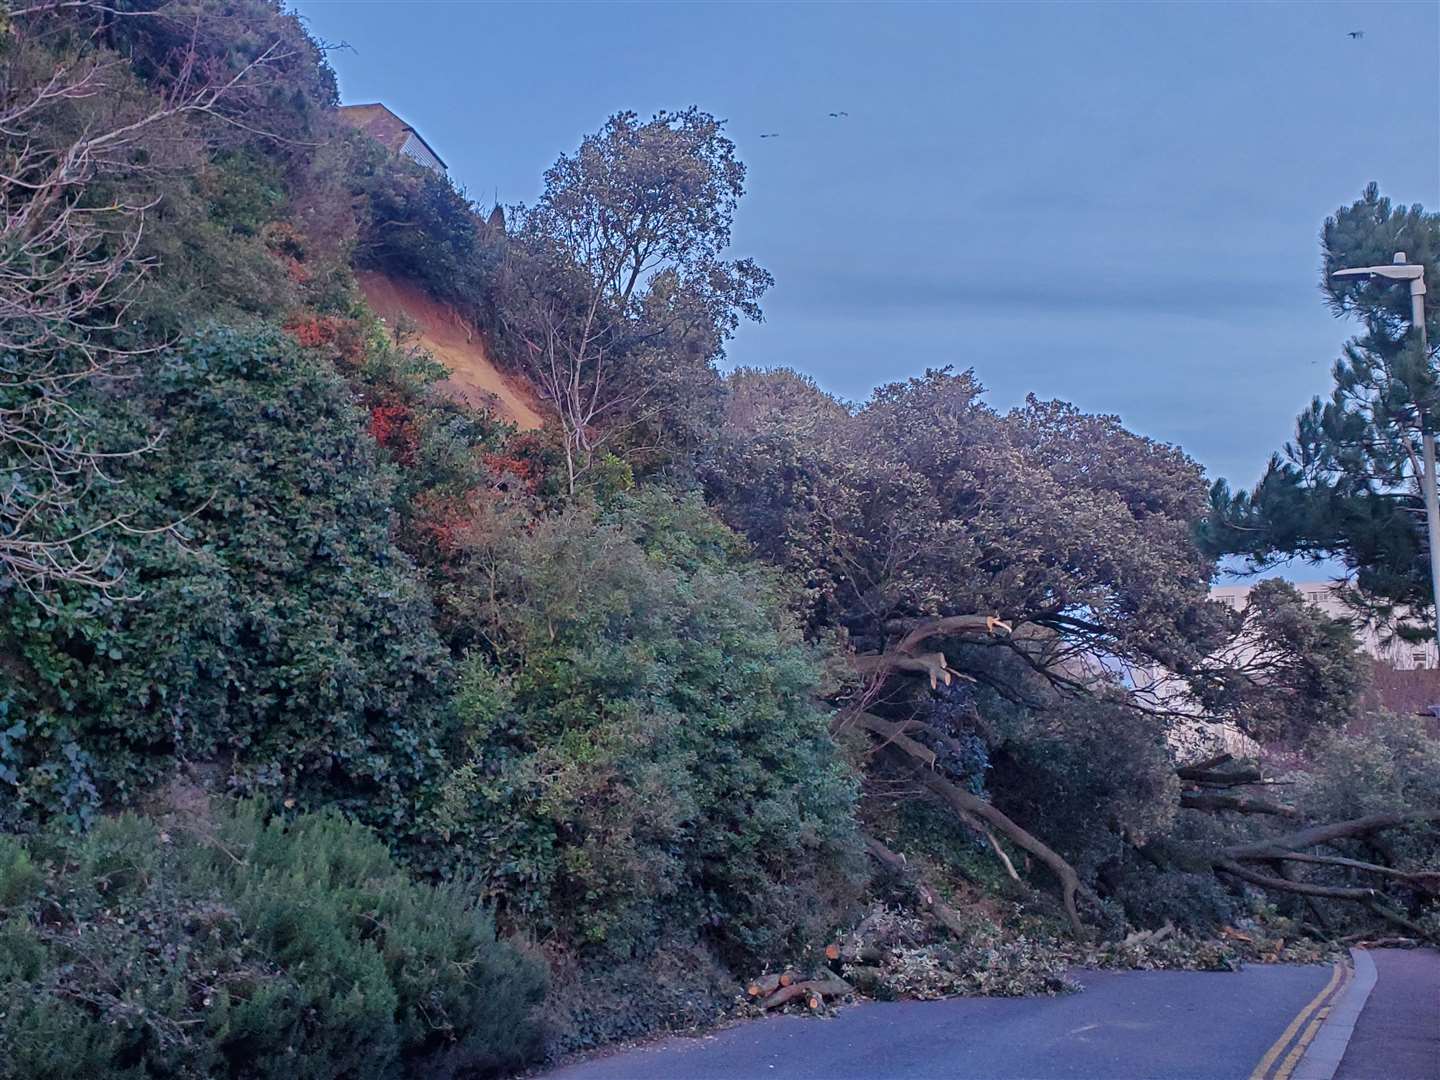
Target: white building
[[1404, 655]]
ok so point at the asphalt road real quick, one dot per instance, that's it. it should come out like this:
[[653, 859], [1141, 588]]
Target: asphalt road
[[1142, 1025]]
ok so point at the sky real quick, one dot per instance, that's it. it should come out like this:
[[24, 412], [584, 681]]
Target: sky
[[1116, 204]]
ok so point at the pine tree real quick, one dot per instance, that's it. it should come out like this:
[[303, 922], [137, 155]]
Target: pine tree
[[1348, 487]]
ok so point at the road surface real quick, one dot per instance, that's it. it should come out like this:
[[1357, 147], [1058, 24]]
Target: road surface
[[1139, 1025], [1398, 1034]]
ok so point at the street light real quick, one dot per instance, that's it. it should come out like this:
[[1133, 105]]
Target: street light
[[1400, 270]]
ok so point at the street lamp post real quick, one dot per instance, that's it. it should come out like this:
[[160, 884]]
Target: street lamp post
[[1414, 273]]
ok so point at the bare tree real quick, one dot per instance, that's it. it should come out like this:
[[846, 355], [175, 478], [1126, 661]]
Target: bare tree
[[69, 271], [571, 345]]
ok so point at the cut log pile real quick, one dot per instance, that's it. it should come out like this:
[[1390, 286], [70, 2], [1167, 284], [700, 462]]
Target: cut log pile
[[847, 968], [776, 991]]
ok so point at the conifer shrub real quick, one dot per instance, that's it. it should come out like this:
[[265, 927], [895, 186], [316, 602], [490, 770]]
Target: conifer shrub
[[235, 944]]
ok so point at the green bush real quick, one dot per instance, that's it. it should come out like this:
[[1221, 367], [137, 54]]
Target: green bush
[[642, 748], [233, 946], [273, 632], [1386, 763]]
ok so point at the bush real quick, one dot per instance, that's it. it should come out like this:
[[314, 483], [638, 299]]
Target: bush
[[679, 986], [274, 632], [234, 946], [643, 751], [1392, 765]]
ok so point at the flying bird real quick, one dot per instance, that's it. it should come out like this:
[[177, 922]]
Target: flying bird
[[771, 135], [839, 115], [1356, 35]]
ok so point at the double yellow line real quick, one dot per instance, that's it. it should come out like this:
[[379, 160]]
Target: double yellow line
[[1309, 1019]]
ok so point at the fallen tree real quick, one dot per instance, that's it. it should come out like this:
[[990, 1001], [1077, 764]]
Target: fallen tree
[[893, 741], [1269, 863], [912, 748]]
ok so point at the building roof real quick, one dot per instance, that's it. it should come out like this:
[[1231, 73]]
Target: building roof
[[384, 127]]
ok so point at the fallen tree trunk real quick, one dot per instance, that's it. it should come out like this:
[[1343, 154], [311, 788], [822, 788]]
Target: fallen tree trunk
[[820, 988], [960, 800], [765, 984], [1241, 804], [782, 996], [942, 912]]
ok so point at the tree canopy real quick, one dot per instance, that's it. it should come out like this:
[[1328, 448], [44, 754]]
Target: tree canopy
[[1348, 486]]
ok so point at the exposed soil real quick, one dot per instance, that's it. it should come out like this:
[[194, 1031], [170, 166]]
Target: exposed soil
[[474, 378]]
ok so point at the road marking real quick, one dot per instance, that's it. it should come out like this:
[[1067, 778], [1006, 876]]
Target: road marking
[[1288, 1066], [1275, 1051], [1324, 1054]]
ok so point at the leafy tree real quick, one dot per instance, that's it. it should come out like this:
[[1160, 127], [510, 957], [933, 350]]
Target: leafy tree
[[1289, 670], [1348, 486], [616, 274], [924, 502]]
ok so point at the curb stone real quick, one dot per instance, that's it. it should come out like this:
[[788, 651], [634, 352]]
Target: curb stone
[[1323, 1055]]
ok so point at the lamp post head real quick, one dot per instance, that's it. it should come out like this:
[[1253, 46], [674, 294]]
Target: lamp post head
[[1399, 270]]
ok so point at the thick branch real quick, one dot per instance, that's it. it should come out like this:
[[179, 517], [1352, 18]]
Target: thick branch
[[1215, 778], [951, 625], [931, 664], [1303, 888], [1242, 804], [966, 803], [893, 733], [1367, 867], [1278, 846], [896, 864]]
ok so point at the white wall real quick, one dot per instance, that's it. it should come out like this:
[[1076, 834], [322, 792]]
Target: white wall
[[416, 149], [1400, 654]]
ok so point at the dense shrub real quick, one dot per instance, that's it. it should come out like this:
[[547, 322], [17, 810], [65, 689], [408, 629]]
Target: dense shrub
[[1391, 765], [643, 751], [231, 946], [679, 986], [273, 629]]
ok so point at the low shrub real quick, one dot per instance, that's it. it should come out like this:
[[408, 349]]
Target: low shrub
[[679, 987], [232, 945]]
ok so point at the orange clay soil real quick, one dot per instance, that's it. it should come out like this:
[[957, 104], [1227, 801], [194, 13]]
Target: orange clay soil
[[474, 378]]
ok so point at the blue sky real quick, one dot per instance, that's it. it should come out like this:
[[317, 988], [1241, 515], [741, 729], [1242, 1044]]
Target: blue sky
[[1114, 203]]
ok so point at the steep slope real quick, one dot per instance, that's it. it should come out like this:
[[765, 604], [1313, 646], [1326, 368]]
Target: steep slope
[[473, 375]]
